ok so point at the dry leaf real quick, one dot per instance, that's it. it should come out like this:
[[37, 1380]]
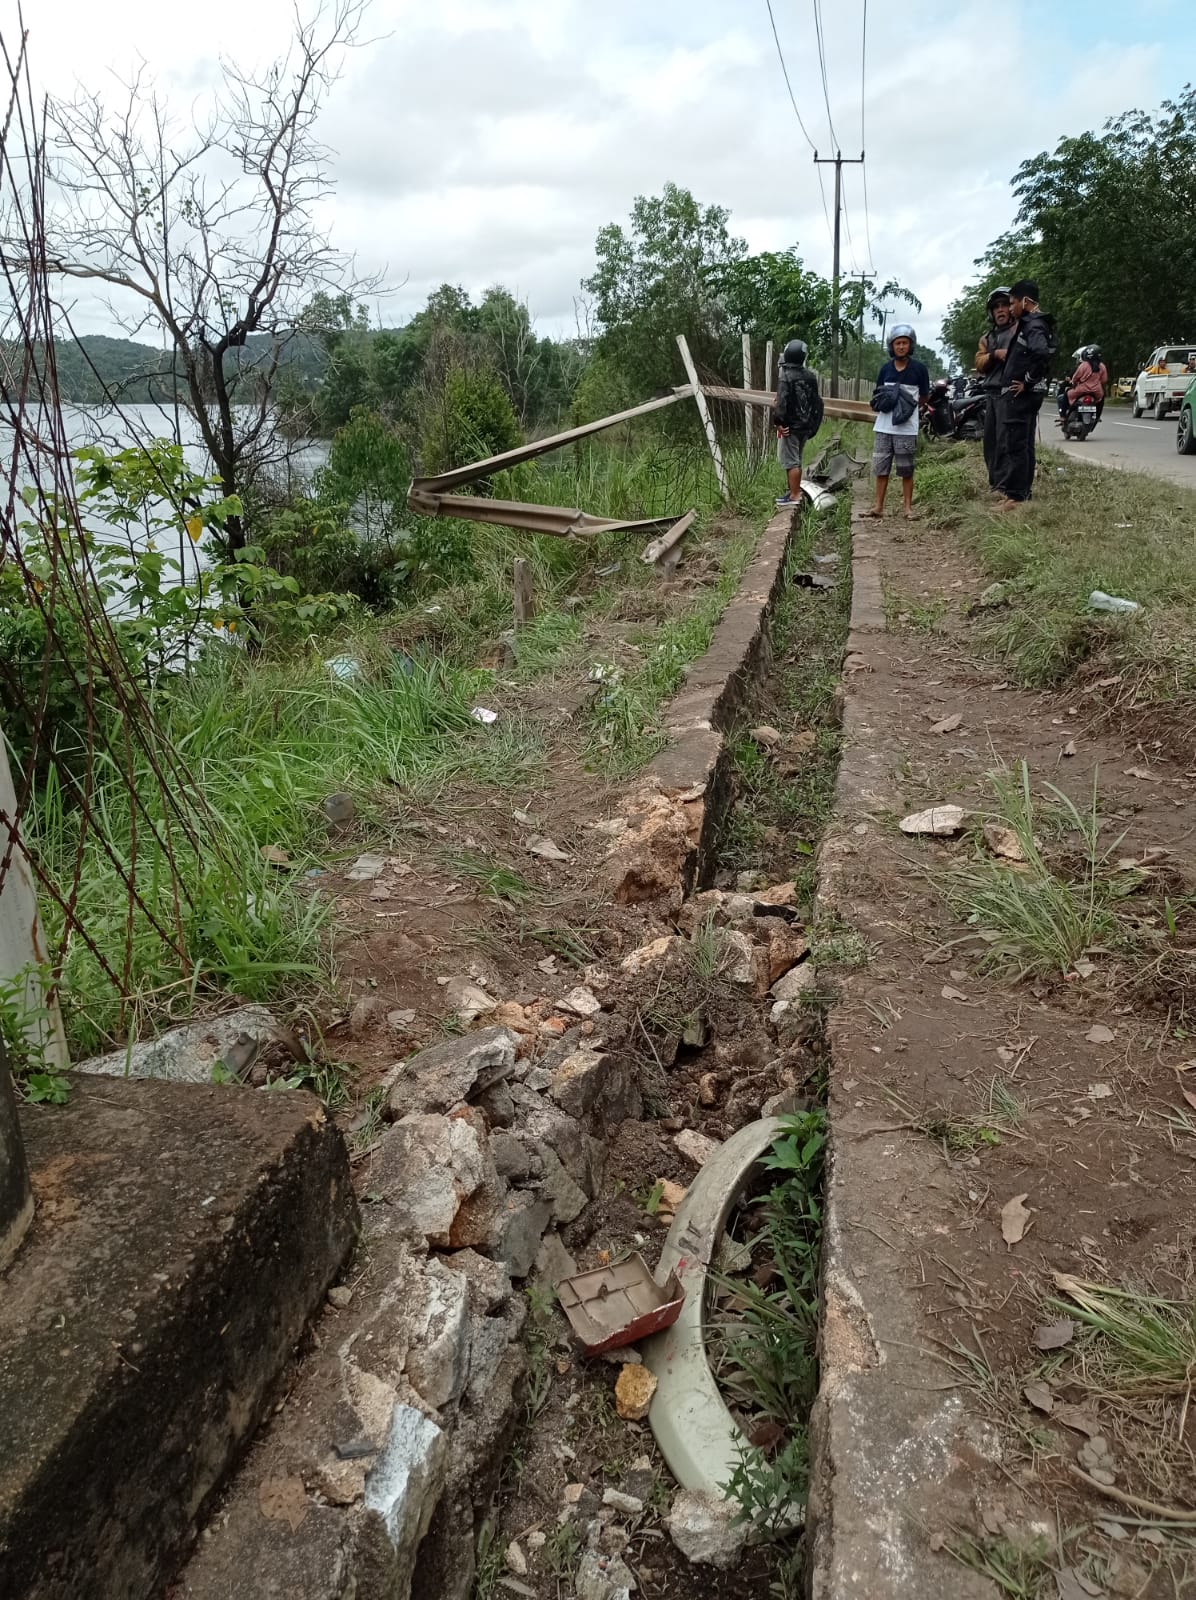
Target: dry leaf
[[1003, 842], [1141, 772], [1054, 1335], [948, 724], [1099, 1091], [1185, 1066], [1099, 1034], [1079, 1420], [1069, 749], [1072, 1586], [540, 845], [1189, 1097], [949, 993], [1014, 1219], [274, 856], [1040, 1397], [1084, 968], [283, 1500]]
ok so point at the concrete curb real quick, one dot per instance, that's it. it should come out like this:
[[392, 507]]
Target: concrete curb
[[717, 686], [894, 1454]]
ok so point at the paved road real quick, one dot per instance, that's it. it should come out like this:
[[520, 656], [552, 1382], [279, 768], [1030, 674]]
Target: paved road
[[1144, 446]]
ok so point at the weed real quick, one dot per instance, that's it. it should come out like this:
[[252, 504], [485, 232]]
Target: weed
[[834, 942], [492, 878], [905, 611], [491, 1560], [1146, 1345], [372, 1120], [26, 1029], [1023, 1573], [562, 1551], [1042, 922]]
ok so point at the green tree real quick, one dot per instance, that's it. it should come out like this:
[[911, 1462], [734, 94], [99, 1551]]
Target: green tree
[[659, 278]]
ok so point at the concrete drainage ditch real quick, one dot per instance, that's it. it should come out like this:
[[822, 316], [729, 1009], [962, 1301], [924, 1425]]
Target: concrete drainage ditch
[[379, 1474]]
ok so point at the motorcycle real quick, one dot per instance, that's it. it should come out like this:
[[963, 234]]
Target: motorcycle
[[1081, 418], [944, 416]]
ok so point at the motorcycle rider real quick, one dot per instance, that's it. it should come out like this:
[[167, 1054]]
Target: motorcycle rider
[[796, 415], [1089, 378], [990, 360], [1023, 389]]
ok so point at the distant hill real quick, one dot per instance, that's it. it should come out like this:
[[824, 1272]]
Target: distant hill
[[95, 366]]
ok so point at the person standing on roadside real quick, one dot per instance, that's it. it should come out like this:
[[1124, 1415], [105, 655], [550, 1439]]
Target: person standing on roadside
[[1023, 389], [796, 415], [901, 387], [990, 363]]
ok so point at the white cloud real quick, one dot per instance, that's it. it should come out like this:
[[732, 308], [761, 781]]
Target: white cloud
[[477, 142]]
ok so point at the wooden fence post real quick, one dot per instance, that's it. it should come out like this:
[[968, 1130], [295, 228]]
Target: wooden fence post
[[748, 430], [525, 600], [765, 429], [691, 371]]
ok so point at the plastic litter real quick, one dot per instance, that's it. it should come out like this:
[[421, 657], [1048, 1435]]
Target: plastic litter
[[1098, 600], [346, 668], [483, 714], [618, 1305]]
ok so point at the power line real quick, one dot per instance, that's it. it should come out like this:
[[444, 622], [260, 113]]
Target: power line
[[826, 93], [793, 102], [863, 131], [785, 70]]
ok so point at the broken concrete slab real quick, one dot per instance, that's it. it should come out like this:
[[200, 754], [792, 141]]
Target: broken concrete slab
[[426, 1167], [705, 1529], [188, 1054], [440, 1077], [185, 1236]]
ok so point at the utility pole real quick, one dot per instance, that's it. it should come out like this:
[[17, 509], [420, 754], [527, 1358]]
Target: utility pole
[[864, 278], [838, 162]]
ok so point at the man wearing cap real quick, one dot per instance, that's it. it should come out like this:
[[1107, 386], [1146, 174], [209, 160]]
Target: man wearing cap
[[1023, 389], [990, 362]]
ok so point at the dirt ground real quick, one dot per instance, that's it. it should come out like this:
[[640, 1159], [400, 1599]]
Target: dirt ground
[[1068, 1089]]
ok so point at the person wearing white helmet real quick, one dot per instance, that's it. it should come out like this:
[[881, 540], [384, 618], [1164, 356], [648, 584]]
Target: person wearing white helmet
[[901, 387]]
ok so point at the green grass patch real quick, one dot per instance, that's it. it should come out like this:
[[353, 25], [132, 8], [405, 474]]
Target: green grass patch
[[1087, 528]]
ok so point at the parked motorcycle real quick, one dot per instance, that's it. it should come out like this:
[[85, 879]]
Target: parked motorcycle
[[946, 417], [1081, 418]]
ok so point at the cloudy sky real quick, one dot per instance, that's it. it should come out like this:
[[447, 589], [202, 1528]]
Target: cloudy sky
[[478, 143]]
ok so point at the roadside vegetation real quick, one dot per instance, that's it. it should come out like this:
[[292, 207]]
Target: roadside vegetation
[[1086, 528]]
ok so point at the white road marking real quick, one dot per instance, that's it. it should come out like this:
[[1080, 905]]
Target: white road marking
[[1145, 425]]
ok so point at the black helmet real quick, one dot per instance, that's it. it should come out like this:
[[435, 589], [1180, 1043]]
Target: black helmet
[[999, 293], [795, 353], [1092, 355], [903, 330]]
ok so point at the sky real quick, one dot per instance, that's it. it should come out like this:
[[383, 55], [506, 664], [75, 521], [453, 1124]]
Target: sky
[[477, 143]]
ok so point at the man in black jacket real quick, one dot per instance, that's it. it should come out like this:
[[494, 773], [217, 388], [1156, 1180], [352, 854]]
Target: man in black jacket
[[990, 362], [1023, 388]]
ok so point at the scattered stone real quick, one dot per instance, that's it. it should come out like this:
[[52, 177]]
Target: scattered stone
[[626, 1503], [786, 947], [626, 1355], [512, 1159], [782, 1104], [467, 1001], [438, 1356], [579, 1081], [648, 861], [496, 1105], [601, 1577], [518, 1228], [516, 1560], [537, 1539], [708, 1089], [696, 1032], [671, 1196], [539, 1079], [339, 808], [611, 828], [780, 894], [188, 1054], [399, 1021], [406, 1481], [573, 1493], [340, 1295], [366, 868], [649, 955], [567, 1198], [426, 1167], [704, 1529], [739, 960], [634, 1389], [797, 981], [512, 1015], [553, 1262], [446, 1073], [365, 1014], [694, 1146], [942, 822], [766, 736], [581, 1003]]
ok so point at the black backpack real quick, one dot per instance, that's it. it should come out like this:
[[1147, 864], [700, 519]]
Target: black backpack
[[799, 406]]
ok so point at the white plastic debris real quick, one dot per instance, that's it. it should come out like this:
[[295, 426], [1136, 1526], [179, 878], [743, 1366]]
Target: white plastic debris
[[483, 714]]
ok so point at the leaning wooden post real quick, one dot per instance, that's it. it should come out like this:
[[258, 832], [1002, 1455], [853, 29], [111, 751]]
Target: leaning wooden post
[[525, 602], [764, 428], [691, 373], [747, 410]]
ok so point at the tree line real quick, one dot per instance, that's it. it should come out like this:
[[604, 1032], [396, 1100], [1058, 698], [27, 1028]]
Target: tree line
[[1105, 225]]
